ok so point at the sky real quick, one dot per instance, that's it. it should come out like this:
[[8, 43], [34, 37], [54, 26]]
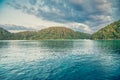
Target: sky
[[81, 15]]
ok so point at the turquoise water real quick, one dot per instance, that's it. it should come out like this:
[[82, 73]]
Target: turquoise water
[[60, 60]]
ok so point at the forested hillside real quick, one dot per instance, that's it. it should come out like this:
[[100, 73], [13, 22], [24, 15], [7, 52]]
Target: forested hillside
[[4, 34], [52, 33], [111, 31]]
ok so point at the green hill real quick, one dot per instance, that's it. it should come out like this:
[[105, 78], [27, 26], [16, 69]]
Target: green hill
[[52, 33], [4, 34], [111, 31], [23, 35]]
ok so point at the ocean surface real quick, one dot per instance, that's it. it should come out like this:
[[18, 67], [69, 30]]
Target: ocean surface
[[60, 60]]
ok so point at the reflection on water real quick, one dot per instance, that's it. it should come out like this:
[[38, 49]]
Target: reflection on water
[[3, 44], [60, 60], [110, 45], [57, 46]]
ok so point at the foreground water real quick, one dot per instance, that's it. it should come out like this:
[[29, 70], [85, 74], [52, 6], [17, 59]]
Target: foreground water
[[60, 60]]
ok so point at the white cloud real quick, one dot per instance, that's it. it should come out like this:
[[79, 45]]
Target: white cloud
[[82, 15], [80, 27], [101, 18], [9, 15], [19, 18]]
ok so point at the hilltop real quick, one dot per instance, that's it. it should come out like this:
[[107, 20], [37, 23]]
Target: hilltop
[[112, 31], [52, 33]]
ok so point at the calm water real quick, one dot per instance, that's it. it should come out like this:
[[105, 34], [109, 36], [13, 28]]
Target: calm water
[[60, 60]]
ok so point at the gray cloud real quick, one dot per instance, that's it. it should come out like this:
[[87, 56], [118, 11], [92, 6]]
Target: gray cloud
[[94, 13]]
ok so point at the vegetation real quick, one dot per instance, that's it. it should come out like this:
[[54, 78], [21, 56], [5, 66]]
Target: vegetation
[[111, 31], [52, 33], [23, 35], [4, 34]]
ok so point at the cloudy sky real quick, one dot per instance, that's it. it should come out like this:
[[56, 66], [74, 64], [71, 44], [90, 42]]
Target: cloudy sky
[[81, 15]]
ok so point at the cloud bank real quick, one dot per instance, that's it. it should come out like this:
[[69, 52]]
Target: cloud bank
[[83, 15]]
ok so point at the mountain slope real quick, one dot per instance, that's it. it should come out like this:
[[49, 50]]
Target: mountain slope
[[111, 31], [26, 35], [52, 33], [4, 34]]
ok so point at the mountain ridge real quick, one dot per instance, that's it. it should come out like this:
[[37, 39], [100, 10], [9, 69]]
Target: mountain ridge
[[52, 33], [111, 31]]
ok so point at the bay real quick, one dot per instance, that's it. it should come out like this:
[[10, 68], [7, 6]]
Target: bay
[[60, 60]]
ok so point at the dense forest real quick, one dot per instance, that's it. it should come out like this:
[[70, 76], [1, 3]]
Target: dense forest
[[48, 33], [112, 31], [4, 34]]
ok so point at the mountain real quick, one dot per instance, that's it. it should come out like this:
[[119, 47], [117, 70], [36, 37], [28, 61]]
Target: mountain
[[4, 34], [26, 35], [52, 33], [111, 31]]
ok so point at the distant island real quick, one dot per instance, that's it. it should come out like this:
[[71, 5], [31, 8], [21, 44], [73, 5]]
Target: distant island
[[111, 31]]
